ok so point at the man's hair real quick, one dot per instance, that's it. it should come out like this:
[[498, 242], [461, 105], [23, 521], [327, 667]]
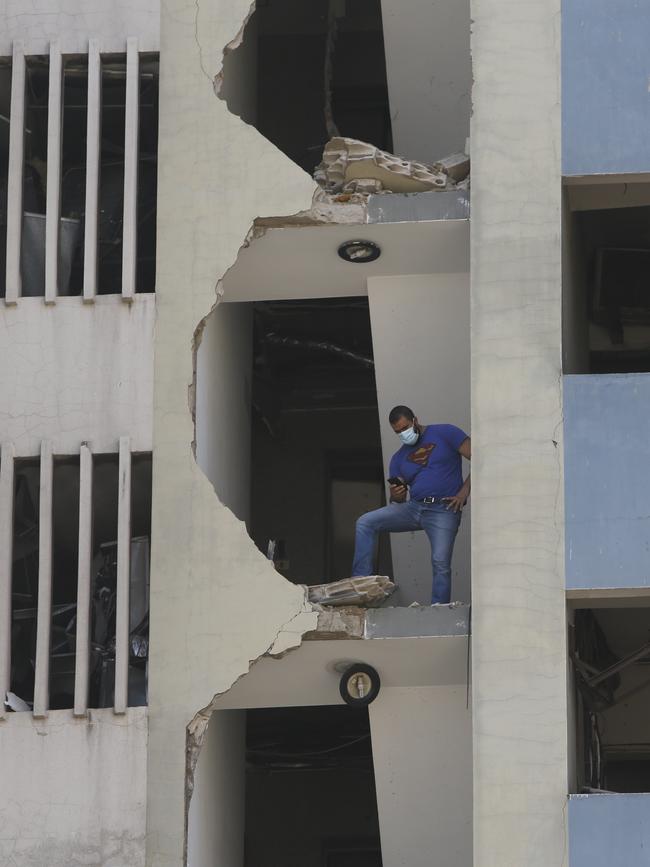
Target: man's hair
[[398, 412]]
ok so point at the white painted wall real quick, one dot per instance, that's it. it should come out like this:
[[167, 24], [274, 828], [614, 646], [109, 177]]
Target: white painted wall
[[223, 404], [74, 22], [429, 73], [422, 752], [518, 612], [74, 790], [420, 332], [74, 372], [216, 817], [216, 602]]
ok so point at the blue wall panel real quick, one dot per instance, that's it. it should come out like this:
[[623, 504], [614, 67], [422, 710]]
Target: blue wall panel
[[607, 480], [605, 86], [609, 831]]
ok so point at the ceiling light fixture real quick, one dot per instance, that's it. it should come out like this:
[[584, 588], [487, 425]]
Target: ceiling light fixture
[[359, 252]]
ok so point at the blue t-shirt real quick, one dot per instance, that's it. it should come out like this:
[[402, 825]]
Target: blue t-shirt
[[433, 466]]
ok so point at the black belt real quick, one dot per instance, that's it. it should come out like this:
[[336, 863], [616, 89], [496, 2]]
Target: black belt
[[428, 500]]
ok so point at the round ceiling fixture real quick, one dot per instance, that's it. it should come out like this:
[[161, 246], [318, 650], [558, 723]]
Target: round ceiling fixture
[[359, 252]]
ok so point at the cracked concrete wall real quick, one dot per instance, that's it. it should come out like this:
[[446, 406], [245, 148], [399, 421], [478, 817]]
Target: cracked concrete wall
[[74, 22], [73, 372], [216, 602], [76, 789], [518, 616]]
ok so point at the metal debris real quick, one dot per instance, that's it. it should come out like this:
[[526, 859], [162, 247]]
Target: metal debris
[[368, 591]]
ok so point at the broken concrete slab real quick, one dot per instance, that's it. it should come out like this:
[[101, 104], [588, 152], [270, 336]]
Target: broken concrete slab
[[367, 591], [414, 207], [346, 160]]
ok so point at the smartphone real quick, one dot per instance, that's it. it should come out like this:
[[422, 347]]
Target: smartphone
[[394, 480]]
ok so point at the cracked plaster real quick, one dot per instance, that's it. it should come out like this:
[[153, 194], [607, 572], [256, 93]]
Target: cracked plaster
[[216, 603]]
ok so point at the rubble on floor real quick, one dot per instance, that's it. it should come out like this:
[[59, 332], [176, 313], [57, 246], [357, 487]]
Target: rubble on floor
[[367, 591], [352, 166]]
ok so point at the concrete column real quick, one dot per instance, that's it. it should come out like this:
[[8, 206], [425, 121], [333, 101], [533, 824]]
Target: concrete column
[[421, 747], [420, 335], [518, 617]]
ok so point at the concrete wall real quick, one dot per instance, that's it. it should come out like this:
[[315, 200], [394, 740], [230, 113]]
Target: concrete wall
[[420, 328], [74, 22], [605, 71], [423, 771], [429, 71], [607, 830], [216, 602], [216, 817], [606, 481], [74, 789], [223, 404], [74, 372], [518, 613]]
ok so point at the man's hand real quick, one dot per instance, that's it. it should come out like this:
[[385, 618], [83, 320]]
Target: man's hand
[[456, 503], [398, 493]]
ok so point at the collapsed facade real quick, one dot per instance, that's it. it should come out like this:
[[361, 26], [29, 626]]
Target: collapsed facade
[[235, 237]]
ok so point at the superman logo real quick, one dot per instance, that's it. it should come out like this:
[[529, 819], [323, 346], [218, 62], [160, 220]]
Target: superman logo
[[421, 455]]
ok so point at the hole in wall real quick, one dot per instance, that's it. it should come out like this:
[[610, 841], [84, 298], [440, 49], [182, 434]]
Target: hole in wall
[[307, 71], [287, 428], [610, 657], [291, 785]]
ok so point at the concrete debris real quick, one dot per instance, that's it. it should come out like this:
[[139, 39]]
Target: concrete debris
[[455, 166], [367, 591], [349, 165]]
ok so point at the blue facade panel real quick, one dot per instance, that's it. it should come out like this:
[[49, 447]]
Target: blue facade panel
[[607, 481], [605, 86], [609, 830]]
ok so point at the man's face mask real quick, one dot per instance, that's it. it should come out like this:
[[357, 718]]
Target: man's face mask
[[409, 436]]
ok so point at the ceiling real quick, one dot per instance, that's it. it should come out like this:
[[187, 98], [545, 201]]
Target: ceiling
[[302, 261]]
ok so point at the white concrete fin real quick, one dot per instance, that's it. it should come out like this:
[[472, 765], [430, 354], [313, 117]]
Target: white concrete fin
[[129, 224], [123, 578], [93, 144], [6, 558], [44, 610], [15, 174], [53, 196], [84, 581]]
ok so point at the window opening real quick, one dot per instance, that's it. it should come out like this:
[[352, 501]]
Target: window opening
[[73, 175], [65, 559], [5, 110], [32, 258], [104, 578], [610, 655], [607, 287], [24, 578], [147, 174], [111, 174]]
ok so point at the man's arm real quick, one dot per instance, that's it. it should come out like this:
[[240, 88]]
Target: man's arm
[[457, 502]]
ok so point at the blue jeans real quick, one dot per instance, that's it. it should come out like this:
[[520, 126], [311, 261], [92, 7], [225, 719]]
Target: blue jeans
[[438, 522]]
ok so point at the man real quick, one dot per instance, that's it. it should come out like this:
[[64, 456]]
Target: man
[[427, 468]]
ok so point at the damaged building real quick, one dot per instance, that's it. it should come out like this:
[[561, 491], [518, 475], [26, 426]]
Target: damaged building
[[234, 237]]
